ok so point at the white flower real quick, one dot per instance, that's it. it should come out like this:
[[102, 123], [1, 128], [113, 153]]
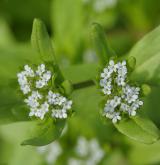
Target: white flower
[[116, 117], [40, 84], [36, 95], [28, 71], [39, 105], [32, 111], [130, 94], [25, 89], [22, 79], [52, 97], [55, 99], [122, 72], [107, 76], [124, 107], [60, 100], [46, 76], [107, 87], [67, 104], [23, 82], [109, 109], [112, 104], [132, 112], [59, 113], [40, 70], [115, 102], [32, 100], [39, 111], [113, 82]]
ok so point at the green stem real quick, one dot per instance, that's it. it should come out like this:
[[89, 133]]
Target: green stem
[[83, 84]]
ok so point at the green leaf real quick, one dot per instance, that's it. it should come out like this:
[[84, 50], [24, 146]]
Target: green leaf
[[104, 52], [41, 42], [147, 54], [44, 133], [139, 129]]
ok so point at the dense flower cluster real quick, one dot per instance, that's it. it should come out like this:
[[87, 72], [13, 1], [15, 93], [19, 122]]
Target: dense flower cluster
[[31, 82], [124, 98]]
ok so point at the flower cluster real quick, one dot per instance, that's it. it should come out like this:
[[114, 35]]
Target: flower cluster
[[31, 82], [121, 96]]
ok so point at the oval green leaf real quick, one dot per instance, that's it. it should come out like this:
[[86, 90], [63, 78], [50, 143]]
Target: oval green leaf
[[42, 44], [139, 129]]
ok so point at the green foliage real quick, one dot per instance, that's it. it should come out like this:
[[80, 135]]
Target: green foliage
[[42, 44], [104, 52], [137, 128], [147, 55], [68, 23], [140, 129], [44, 133]]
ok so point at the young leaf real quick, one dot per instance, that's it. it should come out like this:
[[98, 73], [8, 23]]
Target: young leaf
[[147, 54], [100, 44], [41, 42], [44, 133], [140, 129]]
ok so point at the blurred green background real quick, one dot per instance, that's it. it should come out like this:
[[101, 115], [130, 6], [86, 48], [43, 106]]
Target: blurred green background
[[68, 23]]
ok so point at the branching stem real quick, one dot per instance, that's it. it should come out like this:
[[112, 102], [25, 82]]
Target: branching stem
[[83, 84]]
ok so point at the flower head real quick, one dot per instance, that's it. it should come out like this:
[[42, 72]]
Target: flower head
[[122, 97], [31, 82]]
